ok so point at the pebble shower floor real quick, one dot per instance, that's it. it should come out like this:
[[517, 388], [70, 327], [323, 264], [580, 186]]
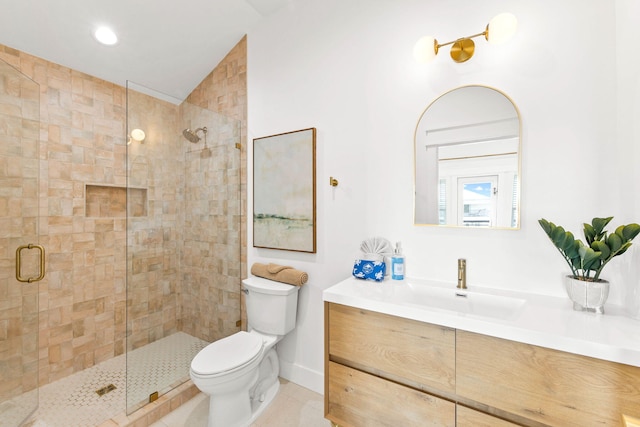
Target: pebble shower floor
[[73, 402]]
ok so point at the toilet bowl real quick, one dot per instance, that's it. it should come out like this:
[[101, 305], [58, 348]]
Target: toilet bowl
[[240, 372], [227, 370]]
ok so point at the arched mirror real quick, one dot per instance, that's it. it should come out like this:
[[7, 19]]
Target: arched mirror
[[467, 160]]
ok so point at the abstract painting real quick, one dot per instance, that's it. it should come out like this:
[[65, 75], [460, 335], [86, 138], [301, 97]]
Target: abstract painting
[[284, 191]]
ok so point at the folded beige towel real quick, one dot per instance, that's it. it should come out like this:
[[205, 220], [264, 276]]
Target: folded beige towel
[[280, 273]]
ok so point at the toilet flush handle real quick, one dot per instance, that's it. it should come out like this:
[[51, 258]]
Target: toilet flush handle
[[246, 291]]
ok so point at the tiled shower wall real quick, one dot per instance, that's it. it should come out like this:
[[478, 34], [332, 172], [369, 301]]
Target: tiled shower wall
[[156, 167], [224, 91], [82, 298], [19, 170], [210, 257], [82, 126]]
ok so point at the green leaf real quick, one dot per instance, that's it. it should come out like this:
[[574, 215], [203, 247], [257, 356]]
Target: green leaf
[[559, 236], [590, 258], [614, 241], [573, 253], [569, 245], [630, 231], [589, 233], [600, 223], [624, 248], [546, 226], [601, 247]]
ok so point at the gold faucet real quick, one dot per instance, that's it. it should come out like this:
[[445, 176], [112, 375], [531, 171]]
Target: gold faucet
[[462, 273]]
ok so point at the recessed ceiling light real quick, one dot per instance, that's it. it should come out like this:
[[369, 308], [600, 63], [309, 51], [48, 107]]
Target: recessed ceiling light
[[106, 36]]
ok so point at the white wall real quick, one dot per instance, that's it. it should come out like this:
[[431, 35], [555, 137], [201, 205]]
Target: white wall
[[628, 142], [346, 68]]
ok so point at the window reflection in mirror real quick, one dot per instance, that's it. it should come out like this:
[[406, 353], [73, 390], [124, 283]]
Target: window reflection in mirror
[[467, 160]]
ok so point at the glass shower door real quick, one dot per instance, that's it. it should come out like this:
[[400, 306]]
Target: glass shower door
[[183, 239], [21, 258]]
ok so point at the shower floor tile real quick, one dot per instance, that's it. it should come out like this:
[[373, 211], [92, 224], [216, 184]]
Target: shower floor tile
[[160, 366], [73, 402]]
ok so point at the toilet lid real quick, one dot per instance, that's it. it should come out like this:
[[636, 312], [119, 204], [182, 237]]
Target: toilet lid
[[227, 353]]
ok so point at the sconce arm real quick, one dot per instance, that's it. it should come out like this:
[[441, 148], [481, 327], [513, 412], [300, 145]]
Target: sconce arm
[[485, 33]]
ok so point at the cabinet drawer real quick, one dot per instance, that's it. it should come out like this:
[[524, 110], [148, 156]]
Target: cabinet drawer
[[548, 386], [418, 354], [467, 417], [358, 399]]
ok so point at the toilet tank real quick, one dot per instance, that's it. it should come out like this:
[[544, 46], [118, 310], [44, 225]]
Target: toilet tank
[[271, 306]]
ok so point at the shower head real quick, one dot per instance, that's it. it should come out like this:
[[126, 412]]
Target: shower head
[[192, 135]]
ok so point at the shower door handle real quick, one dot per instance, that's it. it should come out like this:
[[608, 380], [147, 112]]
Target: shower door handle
[[19, 278]]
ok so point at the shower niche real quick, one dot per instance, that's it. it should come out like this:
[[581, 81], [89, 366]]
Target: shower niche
[[183, 211], [103, 201]]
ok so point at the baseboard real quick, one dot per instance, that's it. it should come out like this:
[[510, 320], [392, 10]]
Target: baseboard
[[302, 376]]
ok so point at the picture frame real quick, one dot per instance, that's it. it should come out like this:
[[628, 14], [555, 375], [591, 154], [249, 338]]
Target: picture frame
[[284, 191]]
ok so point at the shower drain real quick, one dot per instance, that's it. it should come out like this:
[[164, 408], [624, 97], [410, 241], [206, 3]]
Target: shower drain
[[104, 390]]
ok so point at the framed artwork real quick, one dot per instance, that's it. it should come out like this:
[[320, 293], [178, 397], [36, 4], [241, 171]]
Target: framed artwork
[[284, 191]]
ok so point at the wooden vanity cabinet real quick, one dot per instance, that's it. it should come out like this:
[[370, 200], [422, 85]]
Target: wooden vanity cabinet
[[379, 370], [467, 417], [356, 398], [383, 370], [544, 385]]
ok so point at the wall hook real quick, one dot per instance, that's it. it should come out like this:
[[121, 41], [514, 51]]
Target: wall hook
[[333, 182]]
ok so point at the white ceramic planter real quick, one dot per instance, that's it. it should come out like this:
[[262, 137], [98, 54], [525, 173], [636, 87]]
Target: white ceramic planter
[[587, 296]]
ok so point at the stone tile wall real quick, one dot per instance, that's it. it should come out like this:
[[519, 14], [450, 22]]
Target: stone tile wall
[[210, 261], [82, 300], [224, 91], [155, 166], [19, 168]]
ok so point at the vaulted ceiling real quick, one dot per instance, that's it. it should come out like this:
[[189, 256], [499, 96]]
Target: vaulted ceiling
[[168, 46]]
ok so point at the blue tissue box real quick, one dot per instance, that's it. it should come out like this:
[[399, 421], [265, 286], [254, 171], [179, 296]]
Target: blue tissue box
[[369, 270]]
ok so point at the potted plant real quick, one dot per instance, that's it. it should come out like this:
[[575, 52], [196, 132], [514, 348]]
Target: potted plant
[[586, 261]]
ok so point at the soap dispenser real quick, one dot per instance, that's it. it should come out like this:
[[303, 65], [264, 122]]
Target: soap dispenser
[[397, 263]]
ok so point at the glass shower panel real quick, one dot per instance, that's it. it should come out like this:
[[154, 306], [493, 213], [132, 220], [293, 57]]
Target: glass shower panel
[[210, 256], [183, 239], [20, 256]]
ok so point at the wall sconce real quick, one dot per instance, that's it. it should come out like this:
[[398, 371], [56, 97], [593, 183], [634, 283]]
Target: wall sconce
[[137, 135], [499, 30]]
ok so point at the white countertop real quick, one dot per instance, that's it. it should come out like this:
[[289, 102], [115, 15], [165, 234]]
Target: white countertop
[[528, 318]]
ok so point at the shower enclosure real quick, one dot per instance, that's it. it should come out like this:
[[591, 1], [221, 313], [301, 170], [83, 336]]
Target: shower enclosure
[[21, 258], [183, 239]]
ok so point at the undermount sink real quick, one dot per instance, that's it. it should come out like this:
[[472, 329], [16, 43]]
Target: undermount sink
[[463, 301]]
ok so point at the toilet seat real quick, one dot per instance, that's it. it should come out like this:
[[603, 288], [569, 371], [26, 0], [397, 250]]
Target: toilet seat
[[227, 354]]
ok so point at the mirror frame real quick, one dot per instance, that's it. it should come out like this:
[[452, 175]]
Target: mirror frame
[[519, 183]]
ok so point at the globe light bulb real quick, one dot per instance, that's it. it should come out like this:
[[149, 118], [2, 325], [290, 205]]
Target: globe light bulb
[[425, 49], [138, 135], [501, 28]]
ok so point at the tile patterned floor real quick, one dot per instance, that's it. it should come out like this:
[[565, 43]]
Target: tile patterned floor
[[293, 406], [73, 401], [160, 366]]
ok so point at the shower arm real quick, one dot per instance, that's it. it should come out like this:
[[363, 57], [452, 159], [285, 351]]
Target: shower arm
[[204, 131]]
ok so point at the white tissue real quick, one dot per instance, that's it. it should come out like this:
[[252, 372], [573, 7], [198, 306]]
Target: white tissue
[[376, 248]]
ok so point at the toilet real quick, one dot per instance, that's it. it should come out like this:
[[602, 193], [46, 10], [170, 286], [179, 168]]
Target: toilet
[[240, 372]]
